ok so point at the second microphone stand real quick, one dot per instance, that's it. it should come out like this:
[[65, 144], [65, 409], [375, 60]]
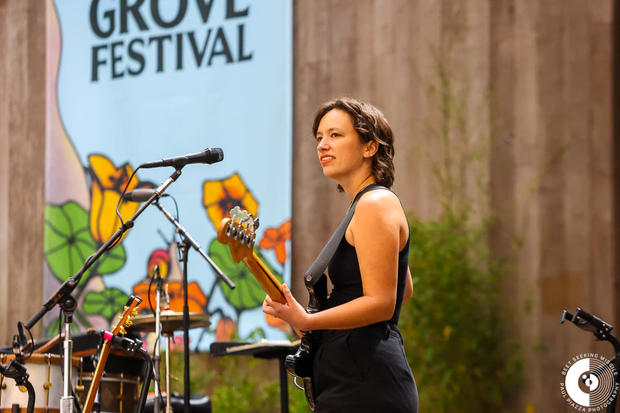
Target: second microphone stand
[[186, 242]]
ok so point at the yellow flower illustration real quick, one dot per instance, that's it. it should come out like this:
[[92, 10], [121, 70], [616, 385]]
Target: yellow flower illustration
[[220, 196], [108, 183]]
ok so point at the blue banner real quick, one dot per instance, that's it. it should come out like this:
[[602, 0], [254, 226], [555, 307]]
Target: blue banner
[[137, 81]]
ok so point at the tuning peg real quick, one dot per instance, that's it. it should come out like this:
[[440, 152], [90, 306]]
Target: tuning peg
[[135, 311], [122, 330], [128, 322]]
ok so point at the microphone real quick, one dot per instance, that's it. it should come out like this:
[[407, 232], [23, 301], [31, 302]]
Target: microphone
[[140, 195], [209, 155]]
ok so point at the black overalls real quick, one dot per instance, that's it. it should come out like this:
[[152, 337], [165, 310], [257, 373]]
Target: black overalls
[[362, 369]]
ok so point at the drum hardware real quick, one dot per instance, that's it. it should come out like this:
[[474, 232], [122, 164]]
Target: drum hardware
[[170, 322], [157, 349], [188, 242], [48, 384], [45, 376]]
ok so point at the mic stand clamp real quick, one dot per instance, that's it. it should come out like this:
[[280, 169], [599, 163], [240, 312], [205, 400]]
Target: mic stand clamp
[[16, 371]]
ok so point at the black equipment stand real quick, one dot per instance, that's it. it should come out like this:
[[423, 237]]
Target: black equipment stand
[[264, 350], [186, 242], [64, 291]]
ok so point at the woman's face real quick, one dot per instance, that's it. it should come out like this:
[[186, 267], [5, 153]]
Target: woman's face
[[339, 147]]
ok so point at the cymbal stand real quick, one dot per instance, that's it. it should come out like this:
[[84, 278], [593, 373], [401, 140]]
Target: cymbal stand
[[188, 242], [157, 350], [168, 402]]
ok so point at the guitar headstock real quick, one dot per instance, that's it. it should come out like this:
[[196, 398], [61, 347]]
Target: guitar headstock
[[130, 310], [239, 232]]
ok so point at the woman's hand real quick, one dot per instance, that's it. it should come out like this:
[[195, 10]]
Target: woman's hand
[[292, 312]]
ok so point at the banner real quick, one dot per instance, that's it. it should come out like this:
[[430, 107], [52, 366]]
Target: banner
[[130, 82]]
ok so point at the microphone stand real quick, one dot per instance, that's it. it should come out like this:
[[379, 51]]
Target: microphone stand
[[187, 242], [64, 293]]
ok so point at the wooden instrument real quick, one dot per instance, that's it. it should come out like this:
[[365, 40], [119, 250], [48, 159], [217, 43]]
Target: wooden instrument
[[130, 310]]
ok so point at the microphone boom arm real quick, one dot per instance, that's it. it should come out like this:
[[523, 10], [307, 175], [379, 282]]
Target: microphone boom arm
[[69, 285], [183, 232]]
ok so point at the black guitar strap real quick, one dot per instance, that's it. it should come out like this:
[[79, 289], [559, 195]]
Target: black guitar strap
[[312, 276]]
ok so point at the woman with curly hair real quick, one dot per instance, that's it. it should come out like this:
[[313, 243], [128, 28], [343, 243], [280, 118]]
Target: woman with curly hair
[[359, 363]]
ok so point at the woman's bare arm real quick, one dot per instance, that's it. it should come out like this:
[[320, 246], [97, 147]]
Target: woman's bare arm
[[376, 235]]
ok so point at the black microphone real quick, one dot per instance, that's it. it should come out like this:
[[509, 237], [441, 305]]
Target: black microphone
[[209, 155], [140, 195]]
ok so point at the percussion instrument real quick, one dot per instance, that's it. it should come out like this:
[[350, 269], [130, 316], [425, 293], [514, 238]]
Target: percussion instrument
[[171, 321], [118, 393], [46, 377]]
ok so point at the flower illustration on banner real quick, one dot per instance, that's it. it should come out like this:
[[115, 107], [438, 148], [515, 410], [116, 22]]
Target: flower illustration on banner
[[196, 299], [160, 258], [225, 329], [108, 183], [275, 238], [278, 323], [220, 196]]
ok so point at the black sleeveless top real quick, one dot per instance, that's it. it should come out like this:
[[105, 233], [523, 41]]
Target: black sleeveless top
[[344, 273]]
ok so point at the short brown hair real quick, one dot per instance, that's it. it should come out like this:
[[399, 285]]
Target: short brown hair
[[371, 125]]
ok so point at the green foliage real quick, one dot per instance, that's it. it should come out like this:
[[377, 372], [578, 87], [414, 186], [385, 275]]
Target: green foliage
[[239, 392], [453, 325], [238, 384]]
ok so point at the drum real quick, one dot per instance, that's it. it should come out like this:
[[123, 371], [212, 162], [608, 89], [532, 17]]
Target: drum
[[45, 372], [118, 393]]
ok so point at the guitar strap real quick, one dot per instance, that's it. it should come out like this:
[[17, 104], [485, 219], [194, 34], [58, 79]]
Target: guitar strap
[[318, 267]]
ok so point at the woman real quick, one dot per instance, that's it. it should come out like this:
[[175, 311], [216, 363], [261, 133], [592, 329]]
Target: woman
[[360, 364]]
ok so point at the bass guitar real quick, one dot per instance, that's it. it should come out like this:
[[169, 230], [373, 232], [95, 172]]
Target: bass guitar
[[239, 233]]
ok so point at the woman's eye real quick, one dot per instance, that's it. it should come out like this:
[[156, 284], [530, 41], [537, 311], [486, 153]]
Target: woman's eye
[[318, 139]]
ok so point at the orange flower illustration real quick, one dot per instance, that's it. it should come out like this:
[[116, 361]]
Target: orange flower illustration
[[225, 329], [108, 183], [278, 323], [159, 257], [275, 238], [220, 196], [196, 299]]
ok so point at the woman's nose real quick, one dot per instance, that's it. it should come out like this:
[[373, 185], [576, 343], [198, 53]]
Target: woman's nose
[[322, 145]]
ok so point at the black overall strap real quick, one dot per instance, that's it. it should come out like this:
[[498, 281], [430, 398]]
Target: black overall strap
[[320, 264]]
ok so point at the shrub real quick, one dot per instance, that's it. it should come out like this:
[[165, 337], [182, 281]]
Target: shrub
[[453, 326]]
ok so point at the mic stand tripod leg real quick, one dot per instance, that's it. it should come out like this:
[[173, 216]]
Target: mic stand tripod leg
[[68, 305]]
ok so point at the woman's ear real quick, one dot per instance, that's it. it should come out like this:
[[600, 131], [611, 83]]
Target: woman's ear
[[370, 149]]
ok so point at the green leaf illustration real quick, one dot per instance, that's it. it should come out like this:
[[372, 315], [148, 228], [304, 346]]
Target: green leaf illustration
[[105, 303], [248, 292], [112, 261], [53, 330], [67, 241]]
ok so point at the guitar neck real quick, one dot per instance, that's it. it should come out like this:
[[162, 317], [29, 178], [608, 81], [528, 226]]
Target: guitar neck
[[94, 385], [267, 280]]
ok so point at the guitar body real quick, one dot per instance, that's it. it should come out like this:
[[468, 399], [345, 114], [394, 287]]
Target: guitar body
[[239, 234]]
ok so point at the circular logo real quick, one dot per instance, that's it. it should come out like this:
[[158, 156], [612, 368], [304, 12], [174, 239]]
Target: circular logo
[[589, 382]]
